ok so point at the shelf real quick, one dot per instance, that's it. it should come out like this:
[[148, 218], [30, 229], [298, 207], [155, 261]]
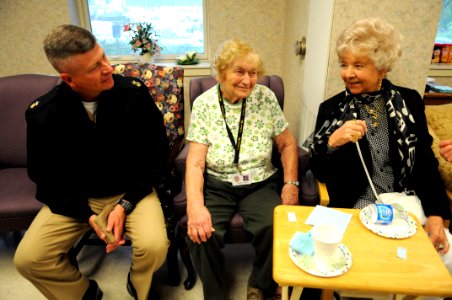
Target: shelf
[[437, 98], [440, 70]]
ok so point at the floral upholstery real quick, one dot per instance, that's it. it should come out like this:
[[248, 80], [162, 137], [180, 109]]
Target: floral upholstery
[[440, 128], [165, 84]]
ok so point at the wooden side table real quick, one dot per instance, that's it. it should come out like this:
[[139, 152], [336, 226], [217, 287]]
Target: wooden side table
[[375, 265]]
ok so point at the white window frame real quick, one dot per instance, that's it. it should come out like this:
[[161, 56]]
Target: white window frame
[[203, 57]]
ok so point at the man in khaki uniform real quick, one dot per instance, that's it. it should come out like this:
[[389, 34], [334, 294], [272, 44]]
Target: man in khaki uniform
[[96, 143]]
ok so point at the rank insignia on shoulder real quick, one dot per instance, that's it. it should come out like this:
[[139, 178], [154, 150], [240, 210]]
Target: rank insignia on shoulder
[[134, 82], [34, 104]]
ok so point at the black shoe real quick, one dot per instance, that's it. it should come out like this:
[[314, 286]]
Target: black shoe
[[131, 289], [93, 292]]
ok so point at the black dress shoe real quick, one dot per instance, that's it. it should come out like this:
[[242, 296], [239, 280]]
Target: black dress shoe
[[93, 292], [131, 289]]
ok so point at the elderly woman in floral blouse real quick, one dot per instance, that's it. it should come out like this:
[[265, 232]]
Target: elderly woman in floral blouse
[[233, 126]]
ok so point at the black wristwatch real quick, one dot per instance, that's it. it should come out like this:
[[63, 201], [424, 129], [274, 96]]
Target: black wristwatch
[[128, 207]]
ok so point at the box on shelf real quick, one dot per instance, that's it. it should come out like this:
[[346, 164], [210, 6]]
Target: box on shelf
[[436, 53], [442, 53]]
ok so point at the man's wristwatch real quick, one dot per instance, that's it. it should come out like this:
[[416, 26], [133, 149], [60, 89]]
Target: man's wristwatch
[[128, 207], [294, 182]]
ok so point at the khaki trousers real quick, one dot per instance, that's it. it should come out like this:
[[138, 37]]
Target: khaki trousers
[[41, 256]]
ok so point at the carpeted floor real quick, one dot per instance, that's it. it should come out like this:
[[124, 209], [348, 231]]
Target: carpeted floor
[[110, 271]]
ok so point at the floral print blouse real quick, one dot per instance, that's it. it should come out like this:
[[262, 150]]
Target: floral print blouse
[[264, 120]]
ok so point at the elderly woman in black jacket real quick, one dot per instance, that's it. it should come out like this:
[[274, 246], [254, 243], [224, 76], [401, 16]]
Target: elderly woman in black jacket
[[389, 123]]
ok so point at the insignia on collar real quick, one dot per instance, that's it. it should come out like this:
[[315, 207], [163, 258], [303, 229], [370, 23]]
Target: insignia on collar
[[134, 82], [34, 104]]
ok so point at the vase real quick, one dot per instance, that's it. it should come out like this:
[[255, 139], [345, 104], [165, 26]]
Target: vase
[[147, 58]]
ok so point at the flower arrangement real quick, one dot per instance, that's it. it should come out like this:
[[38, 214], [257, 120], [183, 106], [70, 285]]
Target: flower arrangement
[[188, 59], [144, 38]]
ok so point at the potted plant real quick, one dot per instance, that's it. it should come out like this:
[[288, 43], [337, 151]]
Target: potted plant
[[143, 39], [188, 59]]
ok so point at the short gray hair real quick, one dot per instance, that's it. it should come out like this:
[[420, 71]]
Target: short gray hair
[[374, 38], [65, 41]]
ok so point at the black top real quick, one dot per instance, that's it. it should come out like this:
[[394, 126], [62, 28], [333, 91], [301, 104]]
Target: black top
[[71, 159], [345, 177]]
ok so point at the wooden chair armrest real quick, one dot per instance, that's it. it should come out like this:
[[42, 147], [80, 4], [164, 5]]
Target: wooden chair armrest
[[323, 194]]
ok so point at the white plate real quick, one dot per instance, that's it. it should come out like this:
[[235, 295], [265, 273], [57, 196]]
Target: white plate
[[340, 264], [400, 228]]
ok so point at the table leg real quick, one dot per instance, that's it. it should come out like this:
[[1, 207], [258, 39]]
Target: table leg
[[327, 294], [296, 293], [285, 293]]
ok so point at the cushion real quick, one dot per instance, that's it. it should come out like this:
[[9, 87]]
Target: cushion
[[440, 120], [445, 168]]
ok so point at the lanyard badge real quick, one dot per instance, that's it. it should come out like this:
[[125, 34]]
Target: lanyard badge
[[239, 178]]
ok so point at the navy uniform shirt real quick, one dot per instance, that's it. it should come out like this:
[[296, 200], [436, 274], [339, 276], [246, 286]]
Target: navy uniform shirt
[[71, 158]]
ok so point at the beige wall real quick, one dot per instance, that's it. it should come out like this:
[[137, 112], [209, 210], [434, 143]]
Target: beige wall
[[23, 26], [296, 27], [443, 80], [259, 22], [416, 19], [272, 27]]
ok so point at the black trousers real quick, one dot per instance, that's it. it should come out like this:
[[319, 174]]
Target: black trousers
[[255, 203]]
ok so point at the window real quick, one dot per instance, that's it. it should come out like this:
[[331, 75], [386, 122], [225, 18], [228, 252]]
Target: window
[[444, 33], [180, 25]]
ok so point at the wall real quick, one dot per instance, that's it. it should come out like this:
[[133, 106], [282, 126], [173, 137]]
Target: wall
[[23, 26], [270, 26], [443, 80], [416, 19], [316, 64], [296, 16], [25, 23], [259, 22]]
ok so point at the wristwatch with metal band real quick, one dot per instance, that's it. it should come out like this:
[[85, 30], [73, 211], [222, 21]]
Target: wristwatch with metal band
[[128, 207], [294, 182]]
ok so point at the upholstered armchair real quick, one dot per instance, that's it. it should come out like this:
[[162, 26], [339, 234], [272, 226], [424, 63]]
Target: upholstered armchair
[[236, 232], [440, 128], [18, 205]]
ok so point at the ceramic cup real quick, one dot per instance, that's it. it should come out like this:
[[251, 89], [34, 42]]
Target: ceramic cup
[[326, 239]]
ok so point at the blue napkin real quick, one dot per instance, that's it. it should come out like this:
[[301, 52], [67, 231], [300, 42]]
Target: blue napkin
[[302, 243]]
